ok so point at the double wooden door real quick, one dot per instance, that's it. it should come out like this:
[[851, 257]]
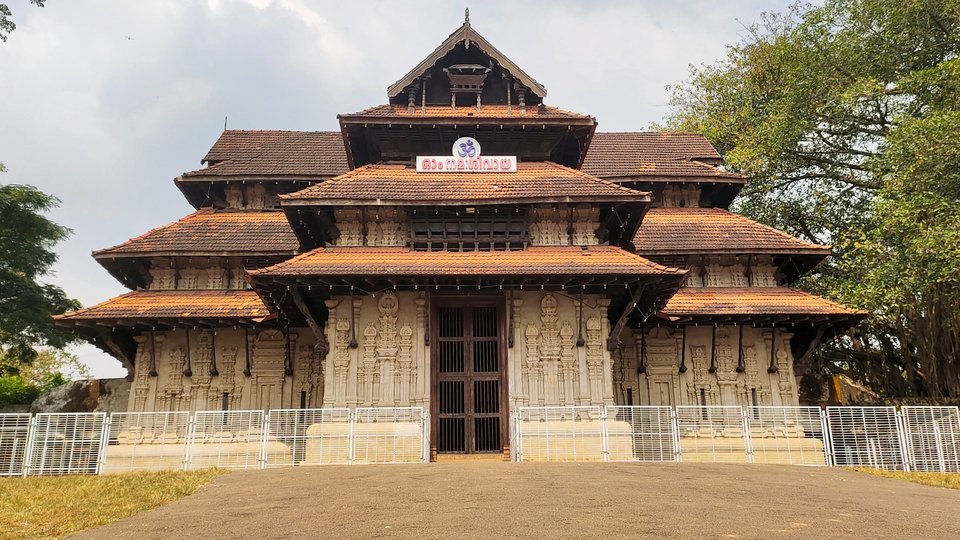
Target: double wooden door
[[469, 376]]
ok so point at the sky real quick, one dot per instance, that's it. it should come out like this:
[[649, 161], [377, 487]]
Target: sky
[[104, 102]]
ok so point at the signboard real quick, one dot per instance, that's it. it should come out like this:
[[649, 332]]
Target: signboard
[[466, 157]]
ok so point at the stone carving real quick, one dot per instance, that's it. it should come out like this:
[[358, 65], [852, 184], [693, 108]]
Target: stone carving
[[141, 377], [594, 354], [368, 366], [350, 226], [306, 374], [548, 227], [238, 278], [718, 275], [738, 276], [764, 275], [168, 398], [268, 369], [690, 195], [530, 364], [586, 220], [341, 362], [549, 352], [386, 350], [388, 226], [404, 380], [188, 279], [702, 380], [200, 380], [163, 279], [233, 193], [226, 380], [670, 197], [569, 374], [217, 278]]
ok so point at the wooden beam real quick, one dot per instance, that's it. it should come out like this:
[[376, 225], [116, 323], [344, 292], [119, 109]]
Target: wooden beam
[[125, 359], [307, 314], [614, 338]]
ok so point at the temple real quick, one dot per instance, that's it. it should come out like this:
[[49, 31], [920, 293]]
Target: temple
[[467, 248]]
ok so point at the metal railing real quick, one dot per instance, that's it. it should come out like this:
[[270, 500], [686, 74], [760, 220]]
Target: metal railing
[[932, 437], [913, 438], [14, 432]]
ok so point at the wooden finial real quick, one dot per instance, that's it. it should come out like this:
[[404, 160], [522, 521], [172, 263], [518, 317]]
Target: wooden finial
[[466, 16]]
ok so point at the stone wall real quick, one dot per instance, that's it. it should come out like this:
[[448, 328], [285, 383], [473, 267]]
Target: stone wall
[[208, 369], [729, 383]]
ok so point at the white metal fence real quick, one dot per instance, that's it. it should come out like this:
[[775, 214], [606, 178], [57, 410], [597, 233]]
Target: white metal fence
[[866, 437], [146, 441], [713, 433], [640, 433], [14, 431], [932, 437], [787, 435], [914, 438], [65, 443]]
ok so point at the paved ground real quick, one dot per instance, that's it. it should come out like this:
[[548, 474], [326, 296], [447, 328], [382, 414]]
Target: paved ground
[[508, 500]]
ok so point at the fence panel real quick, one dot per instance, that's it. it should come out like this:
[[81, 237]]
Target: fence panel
[[14, 433], [712, 433], [66, 443], [640, 433], [146, 441], [230, 439], [574, 433], [389, 435], [313, 436], [787, 435], [865, 437], [932, 435]]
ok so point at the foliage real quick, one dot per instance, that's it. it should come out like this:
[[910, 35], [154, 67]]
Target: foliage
[[6, 25], [944, 480], [846, 117], [26, 253], [15, 390], [46, 364], [57, 506]]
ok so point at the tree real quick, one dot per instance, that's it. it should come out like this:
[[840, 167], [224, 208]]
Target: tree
[[846, 117], [26, 254], [6, 25]]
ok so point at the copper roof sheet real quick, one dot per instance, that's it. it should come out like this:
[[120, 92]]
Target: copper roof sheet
[[669, 231], [401, 261], [177, 304], [637, 154], [270, 154], [533, 112], [533, 181], [750, 301], [211, 231]]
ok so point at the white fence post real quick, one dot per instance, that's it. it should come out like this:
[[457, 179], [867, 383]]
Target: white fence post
[[14, 436], [746, 432]]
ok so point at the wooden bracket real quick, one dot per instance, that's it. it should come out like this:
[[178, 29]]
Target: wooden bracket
[[613, 340]]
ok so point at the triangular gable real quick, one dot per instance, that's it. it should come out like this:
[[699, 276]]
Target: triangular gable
[[467, 35]]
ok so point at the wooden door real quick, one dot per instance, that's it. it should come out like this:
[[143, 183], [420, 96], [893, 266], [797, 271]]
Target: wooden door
[[469, 394]]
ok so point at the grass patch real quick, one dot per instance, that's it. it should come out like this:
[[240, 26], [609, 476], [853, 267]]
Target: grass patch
[[936, 479], [53, 507]]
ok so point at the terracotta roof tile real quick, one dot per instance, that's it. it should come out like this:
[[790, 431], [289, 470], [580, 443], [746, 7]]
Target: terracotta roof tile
[[399, 183], [400, 261], [638, 154], [751, 301], [180, 304], [533, 112], [272, 154], [670, 231], [209, 231]]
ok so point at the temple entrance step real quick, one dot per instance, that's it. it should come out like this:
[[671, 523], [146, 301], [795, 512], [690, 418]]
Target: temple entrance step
[[459, 458]]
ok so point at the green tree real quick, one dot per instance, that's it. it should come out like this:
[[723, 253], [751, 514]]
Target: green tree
[[846, 117], [6, 25], [27, 238]]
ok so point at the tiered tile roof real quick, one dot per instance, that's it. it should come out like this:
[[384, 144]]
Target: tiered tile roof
[[736, 302], [273, 154], [676, 231], [176, 306], [533, 112], [400, 261], [213, 232], [654, 154], [401, 184]]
